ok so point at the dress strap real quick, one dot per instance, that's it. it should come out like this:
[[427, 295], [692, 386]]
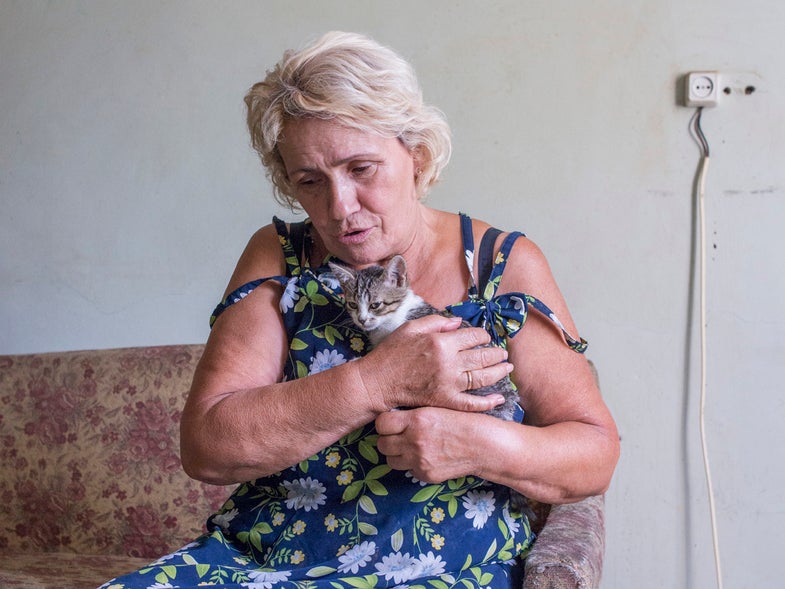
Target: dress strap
[[501, 315], [486, 256], [467, 236], [292, 240], [491, 285]]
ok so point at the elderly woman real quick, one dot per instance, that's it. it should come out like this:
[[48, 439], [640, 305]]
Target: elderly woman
[[344, 489]]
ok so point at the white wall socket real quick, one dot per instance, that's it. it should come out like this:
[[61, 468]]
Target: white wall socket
[[701, 89]]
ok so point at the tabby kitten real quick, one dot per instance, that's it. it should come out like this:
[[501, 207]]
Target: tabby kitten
[[379, 300]]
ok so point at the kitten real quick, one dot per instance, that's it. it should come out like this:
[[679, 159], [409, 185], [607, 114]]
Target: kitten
[[379, 299]]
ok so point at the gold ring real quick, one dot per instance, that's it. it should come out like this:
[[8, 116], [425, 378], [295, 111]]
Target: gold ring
[[469, 380]]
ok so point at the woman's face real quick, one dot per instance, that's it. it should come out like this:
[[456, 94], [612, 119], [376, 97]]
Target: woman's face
[[357, 188]]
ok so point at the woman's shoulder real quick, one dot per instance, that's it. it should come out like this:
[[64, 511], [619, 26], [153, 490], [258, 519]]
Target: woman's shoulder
[[262, 257]]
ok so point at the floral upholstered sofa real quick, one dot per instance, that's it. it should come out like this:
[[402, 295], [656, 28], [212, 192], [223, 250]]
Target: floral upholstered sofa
[[91, 484]]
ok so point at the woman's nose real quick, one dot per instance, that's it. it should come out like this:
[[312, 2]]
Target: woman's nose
[[343, 198]]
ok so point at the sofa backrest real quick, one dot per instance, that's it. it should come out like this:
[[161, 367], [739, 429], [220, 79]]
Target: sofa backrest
[[89, 452]]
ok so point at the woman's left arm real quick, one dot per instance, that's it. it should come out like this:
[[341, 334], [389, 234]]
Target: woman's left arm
[[567, 448]]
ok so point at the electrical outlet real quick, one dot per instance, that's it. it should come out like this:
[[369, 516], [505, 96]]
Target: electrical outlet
[[702, 89]]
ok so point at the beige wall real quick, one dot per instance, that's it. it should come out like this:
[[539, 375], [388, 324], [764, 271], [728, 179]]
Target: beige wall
[[128, 190]]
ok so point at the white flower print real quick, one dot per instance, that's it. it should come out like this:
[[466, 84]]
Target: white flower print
[[479, 507], [307, 494], [357, 556], [266, 579], [325, 359], [555, 319], [415, 480], [398, 567], [511, 522], [239, 297], [329, 280], [161, 586], [223, 519], [430, 565], [290, 295], [469, 255]]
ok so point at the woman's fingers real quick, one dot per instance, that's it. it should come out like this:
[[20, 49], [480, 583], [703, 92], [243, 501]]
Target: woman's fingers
[[471, 380], [430, 361]]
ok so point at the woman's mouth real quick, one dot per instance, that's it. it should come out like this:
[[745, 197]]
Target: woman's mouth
[[354, 237]]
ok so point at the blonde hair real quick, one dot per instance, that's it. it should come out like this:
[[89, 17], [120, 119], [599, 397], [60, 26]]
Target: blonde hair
[[357, 82]]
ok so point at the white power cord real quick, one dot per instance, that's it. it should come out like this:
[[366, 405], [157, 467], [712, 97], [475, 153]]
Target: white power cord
[[701, 187]]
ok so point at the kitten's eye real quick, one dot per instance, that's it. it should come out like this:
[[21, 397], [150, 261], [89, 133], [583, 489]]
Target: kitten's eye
[[351, 305], [375, 306]]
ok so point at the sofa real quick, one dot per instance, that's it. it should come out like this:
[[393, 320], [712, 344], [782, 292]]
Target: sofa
[[91, 484]]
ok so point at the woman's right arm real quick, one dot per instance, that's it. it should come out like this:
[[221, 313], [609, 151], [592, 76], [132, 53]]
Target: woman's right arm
[[241, 422]]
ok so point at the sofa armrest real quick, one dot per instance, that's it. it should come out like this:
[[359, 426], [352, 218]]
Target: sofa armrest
[[570, 548]]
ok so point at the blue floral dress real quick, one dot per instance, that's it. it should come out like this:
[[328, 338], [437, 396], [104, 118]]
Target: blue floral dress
[[343, 519]]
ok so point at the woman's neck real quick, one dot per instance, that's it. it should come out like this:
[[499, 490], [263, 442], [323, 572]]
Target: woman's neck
[[435, 262]]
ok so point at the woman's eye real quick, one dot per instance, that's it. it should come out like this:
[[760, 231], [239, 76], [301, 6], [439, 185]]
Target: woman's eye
[[364, 170]]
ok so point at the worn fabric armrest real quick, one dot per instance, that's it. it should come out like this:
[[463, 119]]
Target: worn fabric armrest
[[570, 548]]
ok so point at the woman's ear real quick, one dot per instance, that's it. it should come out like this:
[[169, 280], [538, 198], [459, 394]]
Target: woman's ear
[[418, 160]]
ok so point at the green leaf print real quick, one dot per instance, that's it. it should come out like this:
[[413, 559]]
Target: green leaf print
[[219, 576], [426, 493], [298, 344], [377, 488], [351, 438], [368, 451], [452, 506], [255, 538], [366, 582], [312, 290], [301, 304], [331, 334], [467, 563], [367, 505], [352, 491], [454, 484], [378, 472], [396, 540], [262, 528], [490, 552], [367, 529], [320, 571]]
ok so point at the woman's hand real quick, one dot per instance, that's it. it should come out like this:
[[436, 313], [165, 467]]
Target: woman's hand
[[434, 444], [431, 362]]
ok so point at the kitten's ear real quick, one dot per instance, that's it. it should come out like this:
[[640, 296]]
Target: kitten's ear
[[342, 273], [396, 272]]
